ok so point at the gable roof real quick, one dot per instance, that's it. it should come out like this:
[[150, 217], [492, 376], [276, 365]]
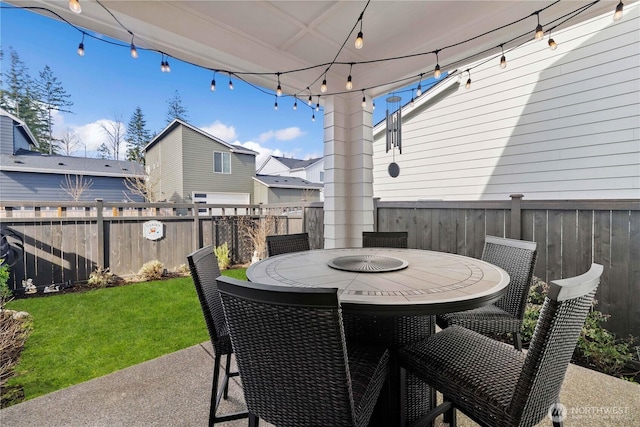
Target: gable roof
[[177, 122], [21, 123], [291, 163], [35, 162], [274, 181]]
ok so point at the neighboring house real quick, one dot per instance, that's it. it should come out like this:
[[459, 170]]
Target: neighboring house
[[285, 189], [554, 124], [186, 164], [27, 175], [311, 170]]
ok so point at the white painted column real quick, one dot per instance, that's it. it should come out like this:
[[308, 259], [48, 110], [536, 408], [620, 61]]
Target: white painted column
[[348, 165]]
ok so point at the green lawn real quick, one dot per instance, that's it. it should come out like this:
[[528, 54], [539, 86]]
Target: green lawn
[[80, 336]]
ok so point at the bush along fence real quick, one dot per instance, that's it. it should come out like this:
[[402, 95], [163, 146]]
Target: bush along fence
[[66, 243]]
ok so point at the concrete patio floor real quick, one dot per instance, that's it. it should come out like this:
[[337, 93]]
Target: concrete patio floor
[[174, 390]]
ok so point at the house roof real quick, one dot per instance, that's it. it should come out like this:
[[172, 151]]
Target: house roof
[[22, 124], [274, 181], [177, 122], [35, 162], [291, 163]]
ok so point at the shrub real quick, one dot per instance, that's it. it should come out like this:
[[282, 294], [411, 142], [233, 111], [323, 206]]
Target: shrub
[[101, 278], [5, 292], [224, 258], [182, 269], [151, 270]]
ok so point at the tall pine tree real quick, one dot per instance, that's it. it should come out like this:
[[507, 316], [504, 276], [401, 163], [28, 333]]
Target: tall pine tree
[[175, 109], [53, 97], [137, 136]]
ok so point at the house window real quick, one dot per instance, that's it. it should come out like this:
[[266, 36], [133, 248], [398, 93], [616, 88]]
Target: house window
[[221, 162], [321, 176]]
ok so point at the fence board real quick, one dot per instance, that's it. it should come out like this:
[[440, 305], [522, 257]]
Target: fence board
[[585, 242], [619, 272], [633, 282], [540, 236], [554, 244], [601, 252], [569, 241]]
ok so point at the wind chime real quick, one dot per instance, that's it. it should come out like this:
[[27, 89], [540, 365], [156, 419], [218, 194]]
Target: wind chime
[[394, 132]]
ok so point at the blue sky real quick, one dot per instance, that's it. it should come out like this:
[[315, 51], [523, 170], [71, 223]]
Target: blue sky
[[107, 82]]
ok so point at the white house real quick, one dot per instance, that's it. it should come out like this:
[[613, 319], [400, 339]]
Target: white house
[[554, 124], [311, 169]]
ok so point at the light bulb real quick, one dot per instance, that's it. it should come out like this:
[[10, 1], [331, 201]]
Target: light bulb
[[81, 49], [74, 6], [618, 14], [539, 33], [411, 103], [318, 106], [295, 105], [373, 105], [162, 67], [213, 85], [275, 106], [468, 85], [419, 90], [349, 84], [167, 67], [134, 51], [313, 117], [359, 41], [436, 72], [503, 62], [230, 85], [552, 44], [309, 101], [323, 88], [279, 90], [364, 102]]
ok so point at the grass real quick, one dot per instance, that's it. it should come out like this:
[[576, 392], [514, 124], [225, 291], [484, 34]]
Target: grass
[[80, 336]]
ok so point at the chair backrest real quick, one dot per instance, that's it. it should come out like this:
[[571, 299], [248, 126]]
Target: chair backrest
[[285, 243], [291, 354], [384, 239], [203, 264], [518, 258], [554, 339]]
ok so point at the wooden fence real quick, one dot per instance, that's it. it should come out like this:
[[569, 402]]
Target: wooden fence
[[65, 244]]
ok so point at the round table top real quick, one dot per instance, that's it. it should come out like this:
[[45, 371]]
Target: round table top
[[420, 282]]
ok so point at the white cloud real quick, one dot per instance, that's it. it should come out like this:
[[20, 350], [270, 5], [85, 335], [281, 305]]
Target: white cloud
[[286, 134], [220, 130], [92, 135]]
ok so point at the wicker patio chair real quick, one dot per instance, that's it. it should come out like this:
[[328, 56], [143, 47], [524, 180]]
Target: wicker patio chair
[[384, 239], [204, 271], [518, 258], [296, 368], [285, 243], [496, 385]]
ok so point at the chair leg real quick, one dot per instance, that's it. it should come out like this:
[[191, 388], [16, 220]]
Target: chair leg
[[253, 420], [214, 391], [517, 341], [225, 394]]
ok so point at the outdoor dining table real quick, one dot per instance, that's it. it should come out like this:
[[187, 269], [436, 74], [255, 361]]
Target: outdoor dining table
[[389, 297]]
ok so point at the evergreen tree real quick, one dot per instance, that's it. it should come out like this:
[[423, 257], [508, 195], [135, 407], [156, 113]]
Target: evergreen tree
[[104, 152], [175, 109], [52, 96], [137, 136]]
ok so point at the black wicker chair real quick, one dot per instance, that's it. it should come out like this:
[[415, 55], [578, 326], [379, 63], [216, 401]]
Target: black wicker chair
[[204, 271], [518, 258], [384, 239], [496, 385], [285, 243], [296, 368]]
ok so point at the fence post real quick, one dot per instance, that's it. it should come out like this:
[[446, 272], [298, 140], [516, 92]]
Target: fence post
[[375, 213], [516, 216], [100, 224], [197, 241]]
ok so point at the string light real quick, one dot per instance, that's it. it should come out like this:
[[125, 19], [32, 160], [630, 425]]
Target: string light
[[295, 104], [552, 44], [134, 51], [81, 46], [230, 82], [373, 105], [213, 82], [74, 6], [323, 88], [419, 90], [364, 100], [618, 14], [359, 40], [279, 88], [539, 33], [411, 103], [436, 71], [318, 104], [349, 84], [503, 60], [468, 85], [313, 117], [275, 105]]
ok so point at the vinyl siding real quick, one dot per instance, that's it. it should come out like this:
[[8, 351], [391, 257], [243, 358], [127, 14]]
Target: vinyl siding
[[197, 164], [22, 186], [164, 161], [6, 135], [561, 124]]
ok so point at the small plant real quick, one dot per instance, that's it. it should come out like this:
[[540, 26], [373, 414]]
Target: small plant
[[256, 231], [182, 269], [223, 255], [151, 270], [5, 292], [101, 278]]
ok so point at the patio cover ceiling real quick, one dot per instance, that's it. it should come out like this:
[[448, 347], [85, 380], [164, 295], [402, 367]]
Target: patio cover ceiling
[[278, 36]]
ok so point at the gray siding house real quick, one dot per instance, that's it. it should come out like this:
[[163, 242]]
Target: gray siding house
[[285, 189], [186, 164], [27, 175]]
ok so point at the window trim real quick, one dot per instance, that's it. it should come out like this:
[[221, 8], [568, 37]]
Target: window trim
[[223, 154]]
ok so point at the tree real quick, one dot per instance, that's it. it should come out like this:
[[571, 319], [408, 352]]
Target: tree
[[52, 96], [104, 152], [75, 185], [143, 186], [175, 109], [114, 131], [69, 141], [137, 136]]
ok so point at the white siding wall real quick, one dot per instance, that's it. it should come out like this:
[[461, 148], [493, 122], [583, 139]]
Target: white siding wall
[[561, 124], [313, 172], [273, 167]]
